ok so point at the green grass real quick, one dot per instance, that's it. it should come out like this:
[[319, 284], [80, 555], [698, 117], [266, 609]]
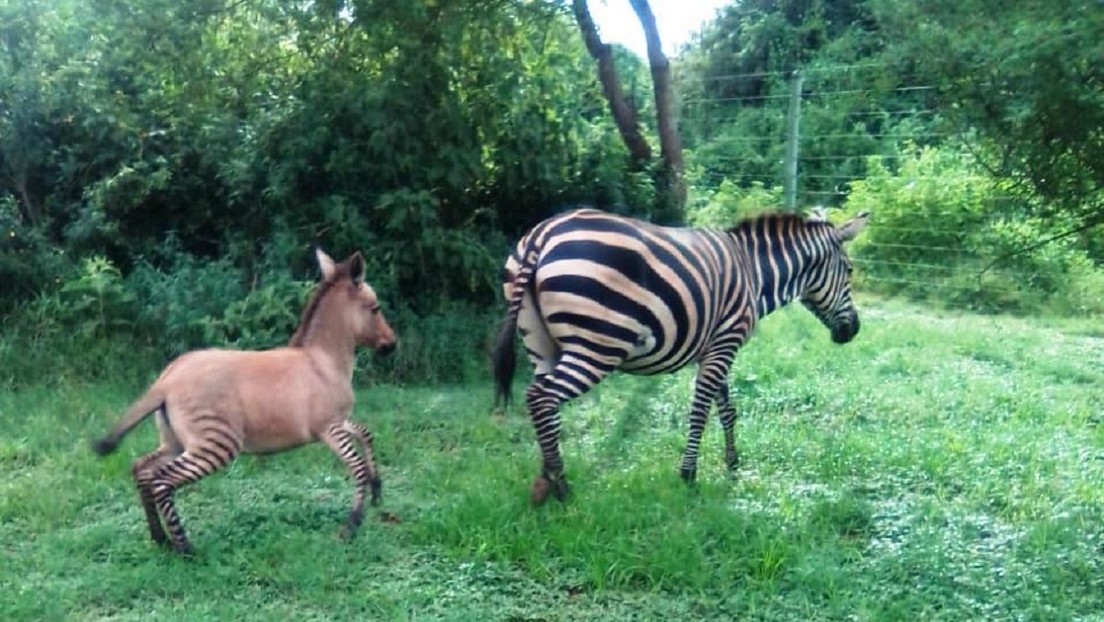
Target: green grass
[[941, 467]]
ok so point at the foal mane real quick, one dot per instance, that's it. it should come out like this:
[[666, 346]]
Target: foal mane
[[341, 272], [309, 312]]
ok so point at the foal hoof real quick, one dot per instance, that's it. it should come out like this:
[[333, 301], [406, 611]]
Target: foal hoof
[[348, 532], [538, 492]]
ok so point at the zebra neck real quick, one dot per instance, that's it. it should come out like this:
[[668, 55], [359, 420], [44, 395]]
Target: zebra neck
[[780, 274]]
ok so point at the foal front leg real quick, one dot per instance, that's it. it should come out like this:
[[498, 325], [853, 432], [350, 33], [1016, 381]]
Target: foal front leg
[[340, 440], [365, 437]]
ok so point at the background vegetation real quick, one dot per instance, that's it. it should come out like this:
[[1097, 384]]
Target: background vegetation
[[167, 165]]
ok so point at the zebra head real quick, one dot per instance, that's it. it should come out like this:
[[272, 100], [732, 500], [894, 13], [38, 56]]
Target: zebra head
[[829, 292]]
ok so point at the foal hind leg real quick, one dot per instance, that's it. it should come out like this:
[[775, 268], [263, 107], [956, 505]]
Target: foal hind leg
[[187, 468], [728, 422], [142, 471], [574, 374], [340, 440]]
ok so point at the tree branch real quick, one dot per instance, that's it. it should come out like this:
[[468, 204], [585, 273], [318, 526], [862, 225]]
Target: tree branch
[[1085, 226], [670, 144], [623, 114]]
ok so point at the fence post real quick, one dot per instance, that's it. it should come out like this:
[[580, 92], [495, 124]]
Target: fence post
[[789, 162]]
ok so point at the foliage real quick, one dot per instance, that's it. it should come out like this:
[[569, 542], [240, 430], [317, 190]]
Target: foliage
[[939, 467], [252, 123], [1028, 77], [946, 229], [724, 207], [96, 301]]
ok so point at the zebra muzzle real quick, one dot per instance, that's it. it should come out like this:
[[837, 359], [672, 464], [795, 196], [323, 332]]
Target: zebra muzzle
[[846, 330]]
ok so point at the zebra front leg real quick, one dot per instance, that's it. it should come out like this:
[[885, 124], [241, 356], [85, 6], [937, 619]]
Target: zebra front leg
[[366, 441], [728, 421], [712, 375], [340, 441]]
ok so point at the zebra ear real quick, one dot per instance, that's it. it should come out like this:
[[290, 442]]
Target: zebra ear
[[325, 264], [356, 267], [848, 230]]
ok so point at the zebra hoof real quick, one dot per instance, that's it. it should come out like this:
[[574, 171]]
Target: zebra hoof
[[377, 486], [538, 492], [689, 476]]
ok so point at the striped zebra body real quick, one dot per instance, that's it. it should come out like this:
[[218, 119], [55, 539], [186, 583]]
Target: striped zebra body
[[592, 292]]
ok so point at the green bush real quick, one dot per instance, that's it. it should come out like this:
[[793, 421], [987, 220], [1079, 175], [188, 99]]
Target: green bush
[[943, 229], [728, 203]]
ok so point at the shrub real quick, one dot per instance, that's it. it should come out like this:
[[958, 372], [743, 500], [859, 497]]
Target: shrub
[[723, 207], [944, 229]]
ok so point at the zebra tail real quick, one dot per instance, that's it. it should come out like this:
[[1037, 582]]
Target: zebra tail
[[505, 354], [153, 400]]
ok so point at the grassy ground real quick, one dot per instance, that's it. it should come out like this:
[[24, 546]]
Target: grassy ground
[[941, 467]]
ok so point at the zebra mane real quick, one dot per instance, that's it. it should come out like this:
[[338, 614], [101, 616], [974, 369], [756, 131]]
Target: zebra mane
[[781, 218]]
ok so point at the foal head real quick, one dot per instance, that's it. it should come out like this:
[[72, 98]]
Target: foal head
[[344, 300]]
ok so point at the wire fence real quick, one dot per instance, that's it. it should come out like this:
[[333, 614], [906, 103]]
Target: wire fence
[[816, 135]]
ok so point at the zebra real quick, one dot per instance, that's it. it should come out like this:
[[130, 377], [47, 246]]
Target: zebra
[[592, 292]]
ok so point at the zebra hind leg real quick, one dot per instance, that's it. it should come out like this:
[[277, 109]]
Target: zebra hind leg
[[574, 374], [544, 412], [728, 422]]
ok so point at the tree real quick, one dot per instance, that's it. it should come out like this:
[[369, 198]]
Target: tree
[[669, 139], [673, 200], [1029, 77]]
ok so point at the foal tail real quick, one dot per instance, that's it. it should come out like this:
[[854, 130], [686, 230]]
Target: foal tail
[[504, 357], [154, 399]]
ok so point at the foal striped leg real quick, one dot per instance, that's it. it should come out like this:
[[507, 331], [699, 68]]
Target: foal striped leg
[[340, 441], [712, 375], [366, 439], [141, 470], [187, 468], [574, 374]]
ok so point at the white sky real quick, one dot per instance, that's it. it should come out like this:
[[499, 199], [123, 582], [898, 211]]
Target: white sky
[[676, 19]]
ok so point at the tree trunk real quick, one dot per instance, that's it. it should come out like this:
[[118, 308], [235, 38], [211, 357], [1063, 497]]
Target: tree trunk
[[623, 114], [670, 143]]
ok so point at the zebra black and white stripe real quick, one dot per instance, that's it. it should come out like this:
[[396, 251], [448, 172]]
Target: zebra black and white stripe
[[592, 292]]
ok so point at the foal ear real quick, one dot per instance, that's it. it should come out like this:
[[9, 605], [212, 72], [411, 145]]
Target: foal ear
[[325, 264], [848, 230], [356, 267]]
